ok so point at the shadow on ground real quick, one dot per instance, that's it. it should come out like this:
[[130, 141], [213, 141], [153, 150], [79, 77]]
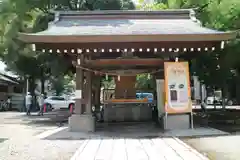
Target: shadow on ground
[[48, 119], [225, 120], [143, 130], [108, 131]]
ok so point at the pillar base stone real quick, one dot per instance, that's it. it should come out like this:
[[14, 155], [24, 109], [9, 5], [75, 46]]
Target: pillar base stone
[[81, 123], [178, 121]]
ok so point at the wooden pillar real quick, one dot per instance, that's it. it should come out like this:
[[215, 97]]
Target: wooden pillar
[[154, 86], [79, 122], [88, 92], [97, 91], [79, 88], [160, 92], [10, 89]]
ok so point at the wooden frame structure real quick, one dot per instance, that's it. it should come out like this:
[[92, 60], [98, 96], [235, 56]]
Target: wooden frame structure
[[118, 42]]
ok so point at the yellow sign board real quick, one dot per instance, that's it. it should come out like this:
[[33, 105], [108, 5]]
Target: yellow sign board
[[177, 87]]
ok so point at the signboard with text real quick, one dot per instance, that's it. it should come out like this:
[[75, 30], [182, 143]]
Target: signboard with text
[[177, 87]]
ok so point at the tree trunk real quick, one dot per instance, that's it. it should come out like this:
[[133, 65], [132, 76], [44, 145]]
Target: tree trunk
[[154, 87], [223, 90], [98, 92], [32, 87], [238, 89], [214, 98], [42, 85]]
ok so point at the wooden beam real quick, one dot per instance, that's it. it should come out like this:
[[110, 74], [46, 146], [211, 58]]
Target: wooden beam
[[129, 62], [125, 45]]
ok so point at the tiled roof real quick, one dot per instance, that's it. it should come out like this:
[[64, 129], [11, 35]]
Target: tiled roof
[[126, 27], [4, 78], [92, 26]]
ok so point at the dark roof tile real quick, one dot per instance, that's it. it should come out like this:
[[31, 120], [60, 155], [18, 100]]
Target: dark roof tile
[[126, 27]]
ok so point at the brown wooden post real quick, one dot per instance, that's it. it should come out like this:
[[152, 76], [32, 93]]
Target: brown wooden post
[[88, 92], [154, 86], [78, 121], [97, 91], [79, 88]]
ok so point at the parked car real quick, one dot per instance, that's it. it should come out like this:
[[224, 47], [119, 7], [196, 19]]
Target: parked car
[[217, 100], [213, 100], [229, 102], [58, 102]]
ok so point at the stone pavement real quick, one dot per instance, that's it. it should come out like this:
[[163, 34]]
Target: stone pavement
[[136, 149], [219, 148], [19, 139], [32, 138]]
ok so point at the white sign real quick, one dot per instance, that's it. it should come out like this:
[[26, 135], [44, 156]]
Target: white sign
[[177, 85], [78, 94]]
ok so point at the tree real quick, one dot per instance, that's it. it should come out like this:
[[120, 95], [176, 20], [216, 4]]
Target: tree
[[33, 16], [74, 5], [145, 81], [15, 16], [222, 15], [151, 6], [218, 69], [215, 69], [62, 84]]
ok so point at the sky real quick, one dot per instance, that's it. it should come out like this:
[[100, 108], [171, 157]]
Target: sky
[[2, 69], [2, 66]]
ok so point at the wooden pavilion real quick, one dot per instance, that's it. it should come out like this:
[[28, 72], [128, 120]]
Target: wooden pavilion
[[122, 44]]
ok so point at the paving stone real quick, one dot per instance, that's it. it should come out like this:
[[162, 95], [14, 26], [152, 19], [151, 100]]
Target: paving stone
[[136, 149]]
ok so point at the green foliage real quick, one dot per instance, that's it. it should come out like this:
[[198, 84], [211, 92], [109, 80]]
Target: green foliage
[[107, 83], [62, 84], [222, 15], [220, 68], [45, 5], [144, 81], [33, 16], [215, 69], [151, 6]]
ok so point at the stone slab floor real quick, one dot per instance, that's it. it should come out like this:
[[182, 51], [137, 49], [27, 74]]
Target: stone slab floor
[[217, 148], [136, 149], [23, 139]]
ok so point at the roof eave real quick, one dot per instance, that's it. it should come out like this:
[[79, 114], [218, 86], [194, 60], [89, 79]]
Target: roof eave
[[36, 38], [123, 12]]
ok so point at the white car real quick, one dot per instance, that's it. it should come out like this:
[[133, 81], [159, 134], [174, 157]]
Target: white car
[[210, 100], [58, 102]]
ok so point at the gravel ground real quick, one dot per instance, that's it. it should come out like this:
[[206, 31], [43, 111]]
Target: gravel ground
[[35, 149], [19, 140]]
